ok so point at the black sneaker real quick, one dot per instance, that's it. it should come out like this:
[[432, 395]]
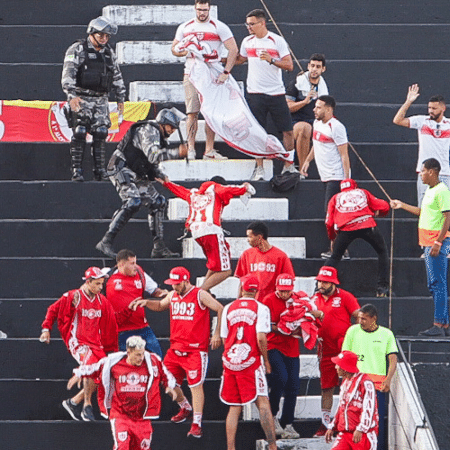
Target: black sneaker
[[434, 331], [105, 246], [88, 414], [73, 409], [382, 292]]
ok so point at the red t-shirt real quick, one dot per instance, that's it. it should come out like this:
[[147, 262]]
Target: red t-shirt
[[121, 290], [337, 310], [129, 397], [266, 266], [288, 345], [189, 322]]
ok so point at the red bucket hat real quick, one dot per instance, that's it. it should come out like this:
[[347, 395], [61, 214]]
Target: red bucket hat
[[347, 361], [328, 274]]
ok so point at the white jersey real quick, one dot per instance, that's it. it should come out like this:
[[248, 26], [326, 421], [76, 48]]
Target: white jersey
[[262, 77], [326, 139], [214, 33], [434, 141]]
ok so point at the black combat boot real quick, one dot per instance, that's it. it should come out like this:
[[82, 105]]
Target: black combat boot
[[160, 250]]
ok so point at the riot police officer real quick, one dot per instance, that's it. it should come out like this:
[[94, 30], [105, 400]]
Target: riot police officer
[[133, 167], [90, 73]]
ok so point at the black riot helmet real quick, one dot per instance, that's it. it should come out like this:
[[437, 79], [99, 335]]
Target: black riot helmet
[[101, 24], [171, 117]]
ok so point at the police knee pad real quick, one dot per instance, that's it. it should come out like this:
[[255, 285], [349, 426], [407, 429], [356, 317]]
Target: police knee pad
[[159, 203], [133, 204], [79, 133], [100, 134]]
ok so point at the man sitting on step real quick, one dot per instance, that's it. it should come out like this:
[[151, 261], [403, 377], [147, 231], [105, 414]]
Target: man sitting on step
[[132, 169], [206, 204]]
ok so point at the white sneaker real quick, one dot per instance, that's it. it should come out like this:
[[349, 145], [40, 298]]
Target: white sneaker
[[290, 168], [278, 428], [191, 154], [213, 154], [258, 174], [289, 433]]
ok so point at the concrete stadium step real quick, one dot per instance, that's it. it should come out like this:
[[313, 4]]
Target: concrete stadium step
[[306, 407], [293, 247], [343, 41], [256, 209], [297, 444], [137, 236], [161, 91], [54, 360], [230, 286], [29, 325], [358, 274], [343, 78], [44, 199], [201, 170], [29, 161], [349, 12], [143, 15], [44, 398], [71, 435]]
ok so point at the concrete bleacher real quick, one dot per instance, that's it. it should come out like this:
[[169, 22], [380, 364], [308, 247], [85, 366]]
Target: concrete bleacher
[[49, 226]]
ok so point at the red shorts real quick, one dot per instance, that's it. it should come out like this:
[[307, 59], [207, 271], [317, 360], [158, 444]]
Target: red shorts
[[192, 365], [87, 357], [240, 388], [328, 374], [131, 434], [217, 252], [344, 441]]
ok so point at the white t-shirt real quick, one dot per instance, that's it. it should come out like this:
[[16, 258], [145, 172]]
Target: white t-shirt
[[326, 139], [434, 141], [214, 32], [262, 77]]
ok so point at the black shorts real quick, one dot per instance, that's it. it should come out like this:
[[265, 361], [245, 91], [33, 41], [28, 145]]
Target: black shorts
[[275, 105]]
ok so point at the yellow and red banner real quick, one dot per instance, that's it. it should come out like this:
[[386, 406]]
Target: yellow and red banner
[[44, 121]]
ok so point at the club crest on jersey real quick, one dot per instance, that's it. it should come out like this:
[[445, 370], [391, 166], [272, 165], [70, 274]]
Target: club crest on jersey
[[118, 285], [238, 353], [200, 35], [122, 436], [133, 378], [336, 302], [200, 202], [192, 374], [138, 284], [155, 371], [350, 201], [145, 444]]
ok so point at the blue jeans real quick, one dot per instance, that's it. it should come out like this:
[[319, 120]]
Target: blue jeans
[[382, 404], [152, 344], [283, 379], [437, 281]]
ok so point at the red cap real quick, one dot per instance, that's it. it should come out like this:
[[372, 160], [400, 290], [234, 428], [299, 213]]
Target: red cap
[[347, 361], [285, 282], [249, 283], [95, 273], [177, 275], [328, 274]]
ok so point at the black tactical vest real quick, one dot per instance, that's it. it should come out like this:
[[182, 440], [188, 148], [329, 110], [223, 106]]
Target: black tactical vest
[[135, 158], [97, 71]]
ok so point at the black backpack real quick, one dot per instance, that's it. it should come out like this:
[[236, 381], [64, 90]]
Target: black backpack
[[285, 182]]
